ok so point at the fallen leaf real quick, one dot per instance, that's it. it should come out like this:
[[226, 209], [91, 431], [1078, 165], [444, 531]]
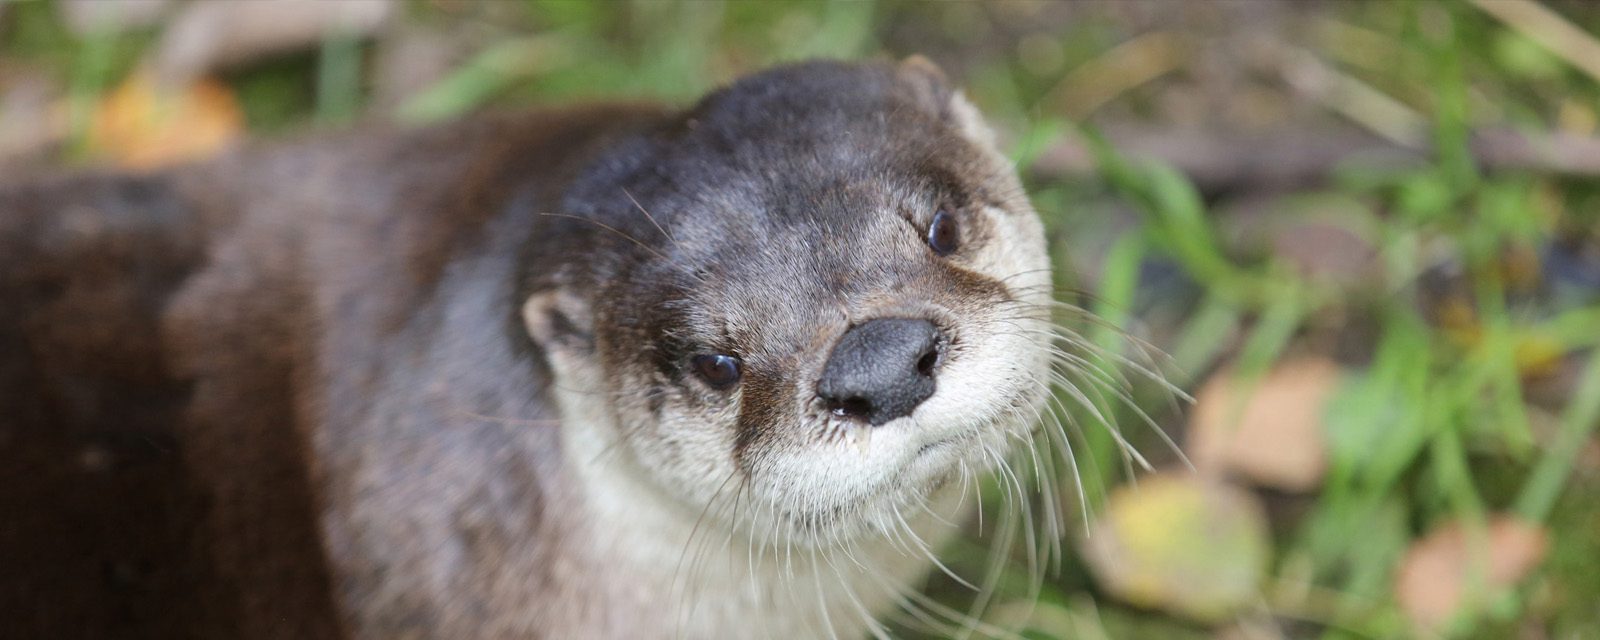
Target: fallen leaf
[[1274, 436], [1326, 251], [1538, 356], [1520, 268], [1186, 545], [1433, 580], [140, 126]]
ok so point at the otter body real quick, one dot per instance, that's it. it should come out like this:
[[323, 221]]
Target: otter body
[[566, 374]]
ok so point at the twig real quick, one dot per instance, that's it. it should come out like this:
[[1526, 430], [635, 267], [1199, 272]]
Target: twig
[[1298, 157], [1348, 96], [1118, 70], [1539, 24]]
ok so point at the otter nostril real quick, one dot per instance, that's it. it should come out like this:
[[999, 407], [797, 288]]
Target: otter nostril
[[852, 407], [927, 362], [881, 369]]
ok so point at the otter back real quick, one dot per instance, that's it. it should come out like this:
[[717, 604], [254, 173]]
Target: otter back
[[159, 359]]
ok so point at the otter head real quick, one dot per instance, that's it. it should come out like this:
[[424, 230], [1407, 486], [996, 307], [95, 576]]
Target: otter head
[[807, 303]]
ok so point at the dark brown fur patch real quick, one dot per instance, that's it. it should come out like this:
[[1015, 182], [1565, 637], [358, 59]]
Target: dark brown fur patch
[[766, 400]]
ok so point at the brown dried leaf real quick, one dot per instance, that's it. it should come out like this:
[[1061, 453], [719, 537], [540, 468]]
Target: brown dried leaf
[[1433, 579], [1326, 251], [1275, 435]]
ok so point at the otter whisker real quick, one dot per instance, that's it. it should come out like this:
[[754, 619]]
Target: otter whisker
[[1051, 499], [1072, 338], [625, 433], [1118, 387], [685, 595], [924, 608], [873, 626], [1149, 351], [1006, 539], [651, 218], [1083, 400], [1027, 446], [519, 422], [1024, 272], [794, 602], [646, 247], [1059, 408], [1058, 437], [1030, 536], [922, 546], [833, 631], [1127, 400]]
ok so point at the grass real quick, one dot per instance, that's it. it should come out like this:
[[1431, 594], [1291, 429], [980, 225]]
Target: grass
[[1435, 422]]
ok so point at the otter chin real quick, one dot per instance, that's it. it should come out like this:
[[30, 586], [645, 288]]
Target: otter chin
[[616, 371]]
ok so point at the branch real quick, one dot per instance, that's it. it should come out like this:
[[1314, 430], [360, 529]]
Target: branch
[[1219, 161]]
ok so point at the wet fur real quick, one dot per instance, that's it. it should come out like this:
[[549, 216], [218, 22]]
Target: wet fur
[[429, 384]]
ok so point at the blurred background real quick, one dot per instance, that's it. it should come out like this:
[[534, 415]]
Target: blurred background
[[1361, 240]]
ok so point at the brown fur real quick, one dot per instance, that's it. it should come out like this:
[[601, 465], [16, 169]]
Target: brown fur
[[159, 339]]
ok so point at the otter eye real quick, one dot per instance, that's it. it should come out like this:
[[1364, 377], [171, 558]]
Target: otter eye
[[718, 370], [944, 235]]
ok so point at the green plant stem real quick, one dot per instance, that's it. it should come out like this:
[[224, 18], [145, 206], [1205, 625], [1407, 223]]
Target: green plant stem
[[1549, 477], [339, 78]]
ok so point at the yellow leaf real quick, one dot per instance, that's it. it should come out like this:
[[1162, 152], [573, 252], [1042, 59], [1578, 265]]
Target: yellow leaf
[[1183, 544], [1538, 356], [140, 126]]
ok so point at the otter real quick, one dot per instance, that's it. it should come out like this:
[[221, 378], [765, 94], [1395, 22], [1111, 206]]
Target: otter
[[614, 371]]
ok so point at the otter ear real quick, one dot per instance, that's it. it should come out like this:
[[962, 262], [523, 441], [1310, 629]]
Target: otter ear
[[559, 321], [929, 86], [932, 88]]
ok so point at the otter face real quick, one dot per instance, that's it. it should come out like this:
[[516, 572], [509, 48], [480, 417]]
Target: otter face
[[824, 297]]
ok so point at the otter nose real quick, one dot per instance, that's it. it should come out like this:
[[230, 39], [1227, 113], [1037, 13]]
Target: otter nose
[[881, 369]]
